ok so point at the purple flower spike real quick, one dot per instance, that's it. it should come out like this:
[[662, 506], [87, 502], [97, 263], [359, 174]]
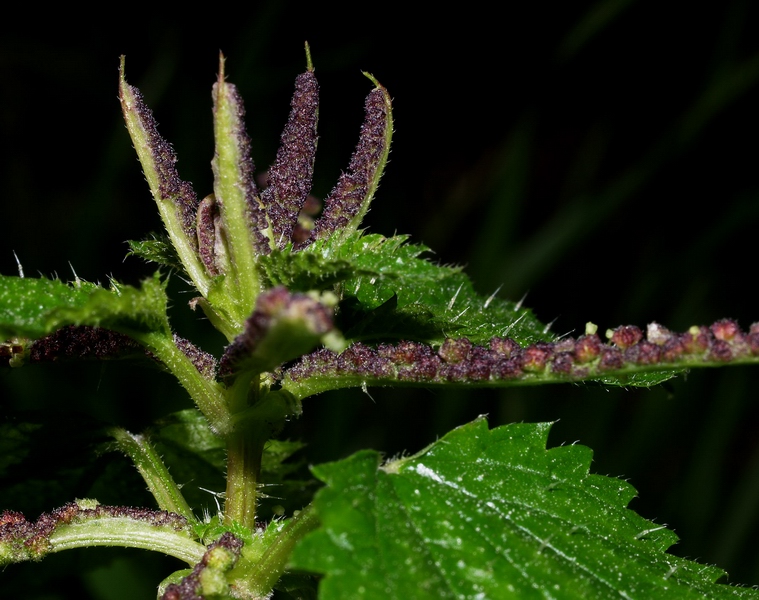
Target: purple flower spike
[[289, 178], [348, 202]]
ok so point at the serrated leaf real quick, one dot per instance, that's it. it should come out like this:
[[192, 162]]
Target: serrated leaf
[[431, 301], [26, 304], [33, 308], [158, 250], [491, 514]]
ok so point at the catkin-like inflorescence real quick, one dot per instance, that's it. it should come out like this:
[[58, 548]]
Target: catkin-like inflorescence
[[283, 325], [351, 195], [245, 166], [171, 188], [586, 357], [22, 540], [206, 225], [83, 341], [204, 362], [290, 177]]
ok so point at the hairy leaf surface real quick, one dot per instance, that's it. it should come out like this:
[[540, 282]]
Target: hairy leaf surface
[[491, 514], [158, 250], [390, 290], [32, 308]]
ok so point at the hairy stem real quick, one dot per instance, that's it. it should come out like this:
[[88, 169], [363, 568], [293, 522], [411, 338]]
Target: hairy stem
[[264, 573], [208, 395], [244, 452], [130, 533], [160, 482], [253, 423]]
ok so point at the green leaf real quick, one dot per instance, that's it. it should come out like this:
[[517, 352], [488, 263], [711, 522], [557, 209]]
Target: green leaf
[[491, 514], [26, 304], [157, 250], [390, 290], [33, 308]]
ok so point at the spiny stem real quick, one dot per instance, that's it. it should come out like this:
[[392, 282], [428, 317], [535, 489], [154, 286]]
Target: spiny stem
[[122, 531], [244, 453], [160, 483], [208, 395], [266, 571]]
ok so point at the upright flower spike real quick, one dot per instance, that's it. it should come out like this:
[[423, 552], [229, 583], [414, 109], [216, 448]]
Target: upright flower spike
[[236, 195], [292, 172], [348, 202], [177, 202]]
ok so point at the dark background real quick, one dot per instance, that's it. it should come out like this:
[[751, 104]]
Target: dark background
[[598, 159]]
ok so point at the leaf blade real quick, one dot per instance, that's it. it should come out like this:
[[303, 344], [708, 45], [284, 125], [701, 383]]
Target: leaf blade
[[491, 513], [32, 308]]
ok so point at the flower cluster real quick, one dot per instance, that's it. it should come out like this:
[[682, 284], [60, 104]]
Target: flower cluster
[[23, 540], [207, 577], [586, 357]]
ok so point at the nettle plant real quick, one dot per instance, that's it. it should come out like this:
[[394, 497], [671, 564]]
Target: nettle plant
[[310, 304]]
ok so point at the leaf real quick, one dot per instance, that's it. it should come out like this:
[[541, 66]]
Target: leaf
[[491, 514], [33, 308], [26, 304], [430, 302], [158, 250]]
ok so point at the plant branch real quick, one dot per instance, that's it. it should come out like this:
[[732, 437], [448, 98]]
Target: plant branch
[[630, 358], [129, 533], [208, 395], [85, 523], [160, 482], [260, 577]]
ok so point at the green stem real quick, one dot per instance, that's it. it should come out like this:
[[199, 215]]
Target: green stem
[[244, 453], [160, 482], [232, 181], [130, 533], [208, 395], [254, 421], [261, 576], [160, 176]]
